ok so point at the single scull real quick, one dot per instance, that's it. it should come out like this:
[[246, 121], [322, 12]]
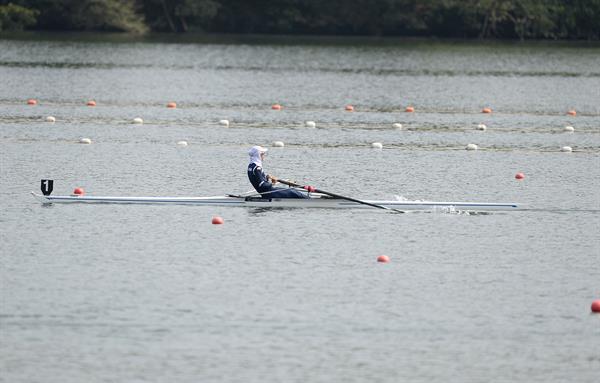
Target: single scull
[[316, 201]]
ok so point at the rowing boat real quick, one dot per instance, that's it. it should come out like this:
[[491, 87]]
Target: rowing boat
[[316, 201]]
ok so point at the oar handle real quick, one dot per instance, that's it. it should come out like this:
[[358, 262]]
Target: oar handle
[[289, 183]]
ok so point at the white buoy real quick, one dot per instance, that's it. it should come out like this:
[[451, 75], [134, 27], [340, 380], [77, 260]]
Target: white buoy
[[567, 149], [397, 125], [472, 147], [224, 123], [85, 141], [569, 129], [50, 119], [278, 144], [138, 120], [310, 124], [182, 143], [481, 127], [377, 145]]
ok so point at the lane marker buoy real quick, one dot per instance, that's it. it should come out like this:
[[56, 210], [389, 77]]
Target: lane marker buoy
[[569, 129], [85, 141], [572, 112], [138, 120], [383, 259], [31, 101], [481, 127], [50, 119], [310, 124], [78, 192], [216, 220], [349, 108], [91, 103], [397, 125], [276, 107], [520, 176], [377, 145], [472, 147], [409, 109], [486, 110], [224, 123], [566, 149], [278, 144], [171, 105], [182, 143]]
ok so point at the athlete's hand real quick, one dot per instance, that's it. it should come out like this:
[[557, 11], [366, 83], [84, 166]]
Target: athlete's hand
[[273, 179]]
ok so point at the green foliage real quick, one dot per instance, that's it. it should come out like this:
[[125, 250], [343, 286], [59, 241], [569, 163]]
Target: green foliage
[[116, 15], [579, 19], [178, 15], [104, 15], [15, 17], [521, 19], [512, 19]]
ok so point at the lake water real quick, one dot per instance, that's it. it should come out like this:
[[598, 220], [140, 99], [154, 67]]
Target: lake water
[[131, 293]]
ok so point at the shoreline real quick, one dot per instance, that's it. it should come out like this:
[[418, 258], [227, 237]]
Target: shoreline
[[278, 39]]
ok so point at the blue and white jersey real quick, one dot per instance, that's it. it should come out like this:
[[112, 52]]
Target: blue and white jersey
[[258, 178]]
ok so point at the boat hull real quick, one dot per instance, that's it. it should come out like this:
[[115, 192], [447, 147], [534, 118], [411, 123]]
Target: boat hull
[[326, 203]]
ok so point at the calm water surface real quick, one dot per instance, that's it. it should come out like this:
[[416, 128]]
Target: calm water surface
[[157, 293]]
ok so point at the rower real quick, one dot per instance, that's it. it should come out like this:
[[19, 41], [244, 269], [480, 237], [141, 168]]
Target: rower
[[263, 183]]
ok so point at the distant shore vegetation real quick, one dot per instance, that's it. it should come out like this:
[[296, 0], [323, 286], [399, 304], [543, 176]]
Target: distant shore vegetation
[[503, 19]]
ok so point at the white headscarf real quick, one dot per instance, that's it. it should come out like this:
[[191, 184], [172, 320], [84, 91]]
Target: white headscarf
[[254, 153]]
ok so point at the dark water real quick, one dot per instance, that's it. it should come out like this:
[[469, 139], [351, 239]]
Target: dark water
[[156, 293]]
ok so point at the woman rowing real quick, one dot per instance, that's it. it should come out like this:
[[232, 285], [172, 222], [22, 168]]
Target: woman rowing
[[263, 183]]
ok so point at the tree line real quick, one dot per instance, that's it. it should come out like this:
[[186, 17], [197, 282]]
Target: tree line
[[505, 19]]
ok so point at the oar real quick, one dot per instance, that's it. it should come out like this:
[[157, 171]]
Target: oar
[[312, 189]]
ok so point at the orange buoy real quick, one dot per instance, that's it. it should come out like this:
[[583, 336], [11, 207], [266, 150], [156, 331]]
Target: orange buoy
[[572, 112], [349, 108], [409, 109], [91, 103], [31, 101], [520, 176], [276, 107], [171, 105], [383, 259], [596, 306], [216, 220], [78, 191], [486, 110]]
